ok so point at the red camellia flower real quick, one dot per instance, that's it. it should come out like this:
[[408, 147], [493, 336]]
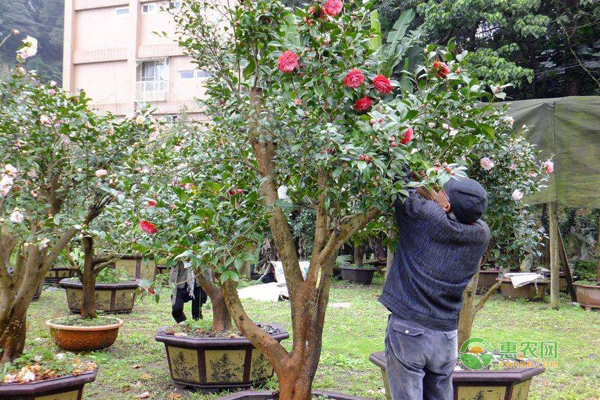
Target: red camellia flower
[[408, 136], [354, 79], [288, 61], [363, 104], [151, 203], [382, 84], [333, 7], [311, 10], [148, 227], [441, 68]]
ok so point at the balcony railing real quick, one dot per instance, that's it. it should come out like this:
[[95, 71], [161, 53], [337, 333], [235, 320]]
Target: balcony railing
[[151, 90]]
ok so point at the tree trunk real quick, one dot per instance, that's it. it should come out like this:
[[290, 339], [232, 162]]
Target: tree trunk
[[554, 257], [12, 338], [294, 386], [221, 315], [389, 261], [359, 253], [88, 303], [468, 311]]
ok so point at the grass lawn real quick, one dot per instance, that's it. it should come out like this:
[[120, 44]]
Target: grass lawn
[[137, 363]]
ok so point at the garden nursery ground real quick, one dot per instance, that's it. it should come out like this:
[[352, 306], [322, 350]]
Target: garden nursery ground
[[136, 367]]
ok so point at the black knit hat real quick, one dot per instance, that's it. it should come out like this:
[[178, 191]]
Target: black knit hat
[[468, 199]]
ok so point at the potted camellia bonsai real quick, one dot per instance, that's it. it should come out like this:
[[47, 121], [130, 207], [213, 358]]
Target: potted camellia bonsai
[[46, 376], [178, 229], [358, 274], [588, 293], [303, 100], [53, 184]]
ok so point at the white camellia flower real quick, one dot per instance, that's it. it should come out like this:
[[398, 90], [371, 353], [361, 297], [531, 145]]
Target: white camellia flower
[[517, 195], [53, 83], [17, 216], [10, 170], [43, 244], [282, 192], [45, 120], [140, 119], [32, 173], [101, 172], [486, 163], [509, 120], [29, 49], [28, 376], [6, 184]]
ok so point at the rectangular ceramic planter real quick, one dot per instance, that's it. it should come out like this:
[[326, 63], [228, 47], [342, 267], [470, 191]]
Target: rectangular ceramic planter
[[67, 388], [530, 291], [358, 275], [213, 364], [511, 384], [136, 267], [115, 298], [56, 274], [588, 296], [487, 278]]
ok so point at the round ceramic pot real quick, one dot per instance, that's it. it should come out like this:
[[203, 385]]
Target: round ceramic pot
[[84, 338], [112, 298], [358, 275], [588, 296], [67, 388], [212, 364]]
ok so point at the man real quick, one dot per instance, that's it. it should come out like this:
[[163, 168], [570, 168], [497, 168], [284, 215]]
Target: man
[[186, 289], [440, 245]]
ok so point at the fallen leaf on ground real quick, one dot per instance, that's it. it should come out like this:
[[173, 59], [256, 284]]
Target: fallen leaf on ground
[[144, 395]]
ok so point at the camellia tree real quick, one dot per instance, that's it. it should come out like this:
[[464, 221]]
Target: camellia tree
[[299, 97], [510, 170], [62, 165]]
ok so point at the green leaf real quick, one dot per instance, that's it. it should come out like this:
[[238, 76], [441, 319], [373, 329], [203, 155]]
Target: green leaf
[[377, 40], [399, 29]]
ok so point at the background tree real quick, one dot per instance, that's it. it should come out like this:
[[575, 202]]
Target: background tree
[[546, 48], [42, 19]]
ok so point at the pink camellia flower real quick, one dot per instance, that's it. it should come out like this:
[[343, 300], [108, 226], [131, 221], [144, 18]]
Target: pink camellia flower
[[333, 7], [311, 10], [151, 203], [548, 167], [363, 104], [532, 174], [441, 69], [17, 217], [288, 61], [45, 120], [382, 84], [408, 136], [486, 163], [513, 167], [517, 195], [100, 173], [354, 79], [10, 170], [148, 227], [6, 184]]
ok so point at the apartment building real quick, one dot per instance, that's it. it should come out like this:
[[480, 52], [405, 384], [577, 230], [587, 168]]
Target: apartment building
[[112, 51]]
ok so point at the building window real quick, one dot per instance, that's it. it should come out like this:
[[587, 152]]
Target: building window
[[148, 8], [186, 74], [171, 119], [175, 4], [122, 10], [154, 70], [191, 74]]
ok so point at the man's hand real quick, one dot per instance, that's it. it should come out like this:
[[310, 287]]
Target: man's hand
[[426, 193]]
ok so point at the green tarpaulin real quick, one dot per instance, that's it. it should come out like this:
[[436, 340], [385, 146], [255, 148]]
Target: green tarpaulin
[[567, 128]]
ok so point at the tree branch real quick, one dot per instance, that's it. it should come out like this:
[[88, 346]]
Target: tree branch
[[487, 296]]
